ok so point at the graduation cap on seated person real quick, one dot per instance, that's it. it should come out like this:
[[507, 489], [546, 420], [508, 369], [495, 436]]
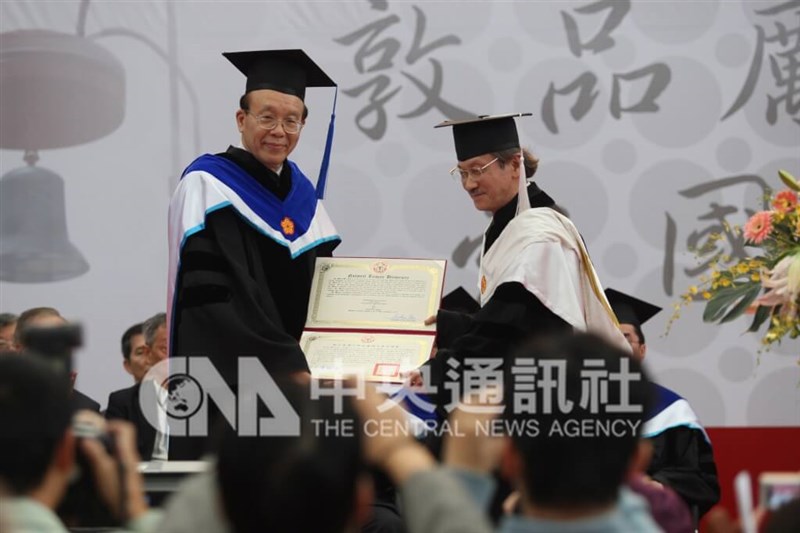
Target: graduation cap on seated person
[[630, 310], [461, 301], [486, 134], [288, 72]]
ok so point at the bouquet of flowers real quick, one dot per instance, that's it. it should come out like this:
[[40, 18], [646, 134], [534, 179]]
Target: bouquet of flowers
[[766, 285]]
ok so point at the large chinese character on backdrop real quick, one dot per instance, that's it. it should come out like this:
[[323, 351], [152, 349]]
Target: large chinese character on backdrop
[[375, 57]]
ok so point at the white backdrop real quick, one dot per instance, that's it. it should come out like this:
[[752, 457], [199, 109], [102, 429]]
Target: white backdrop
[[628, 101]]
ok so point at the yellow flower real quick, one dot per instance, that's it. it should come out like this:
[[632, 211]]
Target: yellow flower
[[755, 276], [715, 274], [693, 290], [706, 295], [742, 268], [725, 282]]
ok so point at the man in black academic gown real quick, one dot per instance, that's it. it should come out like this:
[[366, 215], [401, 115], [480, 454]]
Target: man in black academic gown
[[535, 275], [682, 455], [246, 226]]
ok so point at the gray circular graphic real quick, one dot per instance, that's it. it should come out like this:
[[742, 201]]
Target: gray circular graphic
[[456, 76], [674, 22], [392, 158], [688, 336], [354, 204], [784, 131], [734, 154], [622, 55], [774, 401], [733, 50], [439, 215], [701, 393], [394, 250], [656, 196], [543, 22], [580, 191], [620, 260], [569, 121], [619, 156], [505, 54], [689, 108], [347, 137], [440, 22], [736, 364]]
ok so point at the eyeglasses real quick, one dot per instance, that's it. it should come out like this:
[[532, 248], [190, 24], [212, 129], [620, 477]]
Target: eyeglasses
[[474, 173], [266, 122]]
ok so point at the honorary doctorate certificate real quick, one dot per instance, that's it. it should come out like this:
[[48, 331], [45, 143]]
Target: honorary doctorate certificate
[[366, 316]]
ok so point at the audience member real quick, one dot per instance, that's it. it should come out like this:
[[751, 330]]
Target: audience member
[[154, 330], [683, 458], [38, 453], [8, 324], [568, 456], [47, 317], [135, 358], [269, 483], [125, 404]]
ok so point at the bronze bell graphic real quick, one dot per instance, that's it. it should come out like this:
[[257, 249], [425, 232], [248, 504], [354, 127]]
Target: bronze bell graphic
[[34, 242], [56, 90]]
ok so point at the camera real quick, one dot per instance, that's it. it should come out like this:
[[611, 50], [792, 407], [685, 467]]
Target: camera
[[82, 506], [53, 344]]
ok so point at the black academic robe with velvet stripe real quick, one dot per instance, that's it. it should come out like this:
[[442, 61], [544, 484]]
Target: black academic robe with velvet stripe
[[240, 293]]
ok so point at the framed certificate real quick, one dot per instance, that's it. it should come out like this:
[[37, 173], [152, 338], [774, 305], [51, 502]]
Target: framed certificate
[[366, 316]]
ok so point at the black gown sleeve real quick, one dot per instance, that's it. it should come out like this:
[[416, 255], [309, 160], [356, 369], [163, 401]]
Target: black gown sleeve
[[451, 325], [684, 461], [224, 306], [512, 315]]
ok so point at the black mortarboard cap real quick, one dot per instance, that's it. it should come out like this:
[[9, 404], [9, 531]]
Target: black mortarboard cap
[[630, 310], [484, 134], [286, 71], [460, 300]]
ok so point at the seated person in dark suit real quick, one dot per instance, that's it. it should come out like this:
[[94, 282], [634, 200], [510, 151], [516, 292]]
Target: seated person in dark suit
[[124, 404], [127, 403], [47, 317], [38, 455]]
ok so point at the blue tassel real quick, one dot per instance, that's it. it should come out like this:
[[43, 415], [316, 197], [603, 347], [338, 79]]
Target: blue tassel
[[326, 158]]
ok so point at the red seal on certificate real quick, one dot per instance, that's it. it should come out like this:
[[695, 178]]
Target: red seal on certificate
[[367, 339], [386, 370], [287, 225], [483, 284], [379, 267]]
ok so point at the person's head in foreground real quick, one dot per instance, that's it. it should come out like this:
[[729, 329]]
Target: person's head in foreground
[[36, 449], [309, 481], [584, 449]]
